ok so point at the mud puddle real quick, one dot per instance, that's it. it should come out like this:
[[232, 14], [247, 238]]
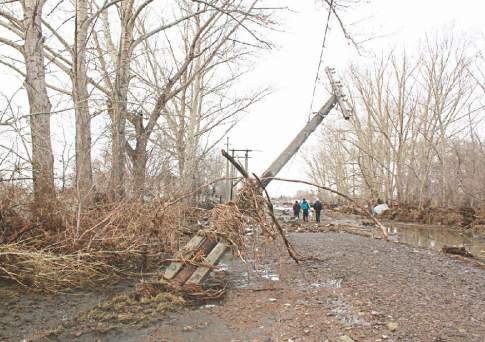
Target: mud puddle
[[240, 275]]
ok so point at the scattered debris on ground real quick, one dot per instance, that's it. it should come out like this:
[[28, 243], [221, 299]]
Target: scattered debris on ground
[[353, 293]]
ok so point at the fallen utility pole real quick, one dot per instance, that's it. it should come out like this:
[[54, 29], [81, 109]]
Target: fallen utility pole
[[336, 98], [295, 145], [203, 251]]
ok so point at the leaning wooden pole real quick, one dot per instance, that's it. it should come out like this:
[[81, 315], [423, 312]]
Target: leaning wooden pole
[[295, 145]]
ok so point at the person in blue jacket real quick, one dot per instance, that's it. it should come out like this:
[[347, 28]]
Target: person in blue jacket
[[306, 208]]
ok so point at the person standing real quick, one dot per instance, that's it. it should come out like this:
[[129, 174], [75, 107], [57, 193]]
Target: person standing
[[318, 208], [296, 210], [306, 208]]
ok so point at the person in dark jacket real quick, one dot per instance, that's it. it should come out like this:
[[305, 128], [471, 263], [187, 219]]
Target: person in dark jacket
[[306, 208], [318, 208], [296, 210]]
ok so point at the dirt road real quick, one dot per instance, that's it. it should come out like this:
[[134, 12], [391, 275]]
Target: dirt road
[[367, 290]]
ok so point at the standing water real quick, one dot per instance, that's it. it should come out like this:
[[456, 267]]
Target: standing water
[[435, 237]]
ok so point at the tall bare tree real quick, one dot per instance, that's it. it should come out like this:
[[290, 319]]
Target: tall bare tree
[[198, 96], [80, 94], [29, 27], [412, 112]]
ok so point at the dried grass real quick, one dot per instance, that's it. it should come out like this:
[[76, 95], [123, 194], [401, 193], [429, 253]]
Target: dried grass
[[73, 250], [228, 222], [49, 271]]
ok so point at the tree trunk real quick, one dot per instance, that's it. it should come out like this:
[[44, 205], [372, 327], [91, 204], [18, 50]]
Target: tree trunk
[[139, 160], [118, 142], [84, 177], [120, 104], [40, 106]]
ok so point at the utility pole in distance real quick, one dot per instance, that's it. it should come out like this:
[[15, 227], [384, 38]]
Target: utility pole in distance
[[232, 172]]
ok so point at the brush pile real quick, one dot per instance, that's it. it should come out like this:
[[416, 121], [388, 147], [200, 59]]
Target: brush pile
[[80, 249]]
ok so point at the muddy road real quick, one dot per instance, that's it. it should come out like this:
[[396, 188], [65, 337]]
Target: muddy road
[[365, 290], [368, 290]]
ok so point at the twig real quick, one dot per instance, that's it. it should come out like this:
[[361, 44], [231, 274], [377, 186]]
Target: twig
[[291, 250]]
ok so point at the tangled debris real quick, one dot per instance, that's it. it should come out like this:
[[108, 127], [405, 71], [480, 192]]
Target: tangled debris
[[98, 245], [94, 246]]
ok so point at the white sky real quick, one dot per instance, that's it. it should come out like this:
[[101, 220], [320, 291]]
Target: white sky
[[291, 69]]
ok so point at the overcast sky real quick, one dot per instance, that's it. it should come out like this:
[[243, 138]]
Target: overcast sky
[[291, 68]]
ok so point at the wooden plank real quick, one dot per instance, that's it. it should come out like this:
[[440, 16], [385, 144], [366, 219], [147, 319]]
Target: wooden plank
[[186, 252], [211, 259], [188, 269]]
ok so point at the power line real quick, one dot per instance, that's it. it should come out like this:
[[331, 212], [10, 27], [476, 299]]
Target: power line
[[321, 56]]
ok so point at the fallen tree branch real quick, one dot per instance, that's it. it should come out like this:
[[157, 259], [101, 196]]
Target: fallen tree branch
[[236, 164], [291, 250]]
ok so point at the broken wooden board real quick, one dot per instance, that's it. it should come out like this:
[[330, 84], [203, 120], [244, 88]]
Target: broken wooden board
[[188, 268], [186, 252], [198, 276]]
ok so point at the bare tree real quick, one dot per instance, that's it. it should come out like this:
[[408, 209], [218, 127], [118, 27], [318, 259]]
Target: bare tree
[[206, 30], [116, 74], [80, 95], [29, 27], [413, 113], [203, 102]]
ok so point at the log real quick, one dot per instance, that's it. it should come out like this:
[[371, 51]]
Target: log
[[198, 276], [457, 250], [186, 252]]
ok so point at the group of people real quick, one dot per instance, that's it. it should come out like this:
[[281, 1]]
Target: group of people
[[305, 207]]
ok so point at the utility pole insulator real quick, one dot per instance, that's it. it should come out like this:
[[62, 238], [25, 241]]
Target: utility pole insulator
[[337, 89]]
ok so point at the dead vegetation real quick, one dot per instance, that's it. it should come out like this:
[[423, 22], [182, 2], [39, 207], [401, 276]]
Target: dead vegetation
[[75, 250], [462, 217], [465, 217], [42, 269], [134, 309], [102, 243]]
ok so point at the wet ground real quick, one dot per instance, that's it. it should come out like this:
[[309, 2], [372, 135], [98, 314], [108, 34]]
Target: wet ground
[[417, 235], [368, 290], [365, 290]]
